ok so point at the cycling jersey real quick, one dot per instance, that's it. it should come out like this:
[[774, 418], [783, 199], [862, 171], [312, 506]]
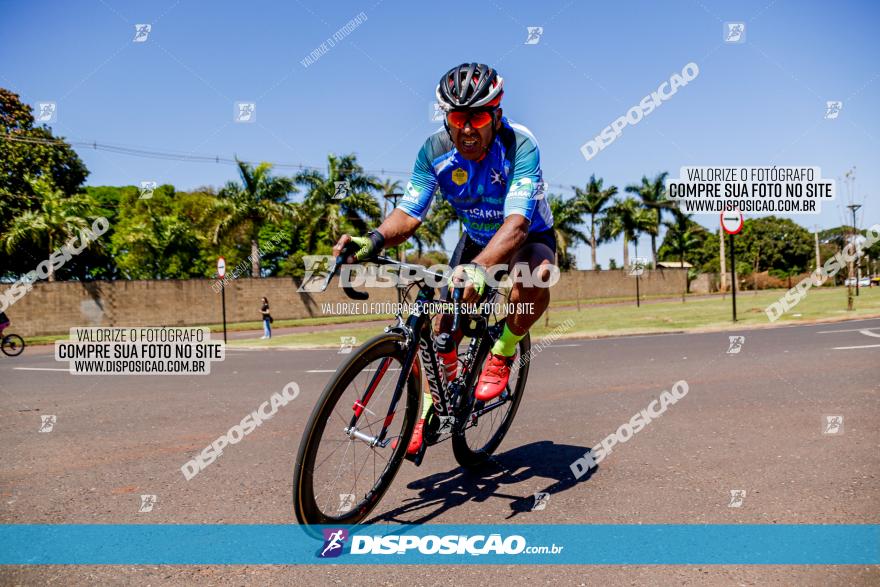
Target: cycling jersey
[[483, 193]]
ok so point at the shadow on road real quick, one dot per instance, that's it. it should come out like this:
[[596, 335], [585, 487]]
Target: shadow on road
[[442, 491]]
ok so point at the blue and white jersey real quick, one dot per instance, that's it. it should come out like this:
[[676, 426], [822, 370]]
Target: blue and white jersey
[[506, 181]]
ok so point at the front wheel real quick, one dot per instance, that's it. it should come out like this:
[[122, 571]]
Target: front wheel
[[339, 477], [12, 345], [488, 422]]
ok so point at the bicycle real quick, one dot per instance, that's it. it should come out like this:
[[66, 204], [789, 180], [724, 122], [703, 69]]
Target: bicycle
[[12, 345], [350, 409]]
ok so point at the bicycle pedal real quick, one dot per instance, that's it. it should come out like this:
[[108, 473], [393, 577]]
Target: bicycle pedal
[[431, 432], [416, 459]]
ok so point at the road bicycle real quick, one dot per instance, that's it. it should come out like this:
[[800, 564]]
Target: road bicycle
[[12, 345], [357, 435]]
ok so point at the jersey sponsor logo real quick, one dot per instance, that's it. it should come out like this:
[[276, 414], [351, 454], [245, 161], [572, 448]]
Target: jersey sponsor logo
[[412, 193], [482, 227], [459, 176], [521, 189]]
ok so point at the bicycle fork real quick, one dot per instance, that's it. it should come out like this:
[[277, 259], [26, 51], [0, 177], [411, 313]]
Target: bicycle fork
[[360, 405]]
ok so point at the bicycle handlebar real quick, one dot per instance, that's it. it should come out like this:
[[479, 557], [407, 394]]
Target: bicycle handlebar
[[350, 248]]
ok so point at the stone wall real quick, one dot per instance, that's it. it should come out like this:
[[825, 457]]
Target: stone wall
[[53, 308]]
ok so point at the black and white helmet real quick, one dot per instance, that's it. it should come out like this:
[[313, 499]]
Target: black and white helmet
[[470, 85]]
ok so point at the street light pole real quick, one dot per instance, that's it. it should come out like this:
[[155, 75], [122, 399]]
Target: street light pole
[[638, 272], [855, 207]]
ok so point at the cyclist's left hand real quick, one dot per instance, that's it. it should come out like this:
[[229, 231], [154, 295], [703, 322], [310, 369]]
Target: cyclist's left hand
[[472, 278]]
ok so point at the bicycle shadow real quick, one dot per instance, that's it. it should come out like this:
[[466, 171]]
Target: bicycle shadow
[[442, 491]]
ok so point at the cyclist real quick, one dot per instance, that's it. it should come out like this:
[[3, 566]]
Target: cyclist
[[489, 169]]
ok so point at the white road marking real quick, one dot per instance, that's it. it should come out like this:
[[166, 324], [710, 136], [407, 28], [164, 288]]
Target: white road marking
[[40, 369], [862, 330], [865, 346], [866, 333]]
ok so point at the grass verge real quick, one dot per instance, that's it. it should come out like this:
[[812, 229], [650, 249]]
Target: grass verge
[[701, 314]]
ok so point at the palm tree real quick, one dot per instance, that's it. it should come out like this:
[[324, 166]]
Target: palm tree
[[387, 187], [430, 231], [653, 196], [567, 217], [628, 219], [58, 219], [328, 212], [594, 200], [242, 209], [682, 236]]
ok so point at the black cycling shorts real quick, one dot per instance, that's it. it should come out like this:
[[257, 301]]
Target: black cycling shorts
[[467, 249]]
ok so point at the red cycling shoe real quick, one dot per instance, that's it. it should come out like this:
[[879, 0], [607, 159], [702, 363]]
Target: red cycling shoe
[[494, 377], [415, 442]]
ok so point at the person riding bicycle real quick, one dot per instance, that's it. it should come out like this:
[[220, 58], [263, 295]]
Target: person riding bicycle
[[489, 169], [4, 322]]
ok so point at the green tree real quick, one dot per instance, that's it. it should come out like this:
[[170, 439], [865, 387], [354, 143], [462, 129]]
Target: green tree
[[653, 196], [387, 187], [164, 237], [628, 219], [328, 214], [595, 199], [430, 231], [683, 238], [29, 152], [58, 219], [775, 243], [567, 218], [242, 209]]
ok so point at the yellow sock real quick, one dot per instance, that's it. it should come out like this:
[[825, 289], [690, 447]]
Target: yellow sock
[[427, 402], [506, 343]]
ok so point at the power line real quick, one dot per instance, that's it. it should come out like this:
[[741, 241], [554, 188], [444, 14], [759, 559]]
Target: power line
[[194, 158]]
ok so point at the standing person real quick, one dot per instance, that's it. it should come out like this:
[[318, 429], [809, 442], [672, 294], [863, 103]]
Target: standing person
[[4, 322], [267, 320]]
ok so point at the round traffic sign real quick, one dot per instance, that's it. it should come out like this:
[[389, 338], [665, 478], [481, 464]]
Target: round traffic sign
[[732, 222], [221, 267]]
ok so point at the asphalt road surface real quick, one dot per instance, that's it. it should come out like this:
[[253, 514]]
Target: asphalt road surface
[[752, 420]]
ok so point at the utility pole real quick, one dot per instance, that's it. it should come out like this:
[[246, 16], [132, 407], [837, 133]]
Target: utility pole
[[818, 258]]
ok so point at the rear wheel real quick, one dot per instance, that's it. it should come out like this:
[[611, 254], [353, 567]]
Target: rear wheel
[[339, 478], [12, 345], [483, 432]]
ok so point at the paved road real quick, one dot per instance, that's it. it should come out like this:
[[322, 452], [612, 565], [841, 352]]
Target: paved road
[[751, 421]]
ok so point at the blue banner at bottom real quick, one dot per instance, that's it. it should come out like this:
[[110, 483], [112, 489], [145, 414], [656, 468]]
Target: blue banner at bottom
[[529, 544]]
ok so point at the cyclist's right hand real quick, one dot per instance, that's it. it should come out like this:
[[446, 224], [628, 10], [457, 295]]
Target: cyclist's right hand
[[363, 248]]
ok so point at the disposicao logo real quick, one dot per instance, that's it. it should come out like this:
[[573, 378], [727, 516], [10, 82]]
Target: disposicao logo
[[334, 540]]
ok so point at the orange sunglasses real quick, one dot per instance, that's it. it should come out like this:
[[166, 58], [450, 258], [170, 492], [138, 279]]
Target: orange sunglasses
[[477, 118]]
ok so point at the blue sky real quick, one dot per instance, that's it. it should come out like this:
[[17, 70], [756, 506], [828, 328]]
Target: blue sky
[[757, 103]]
